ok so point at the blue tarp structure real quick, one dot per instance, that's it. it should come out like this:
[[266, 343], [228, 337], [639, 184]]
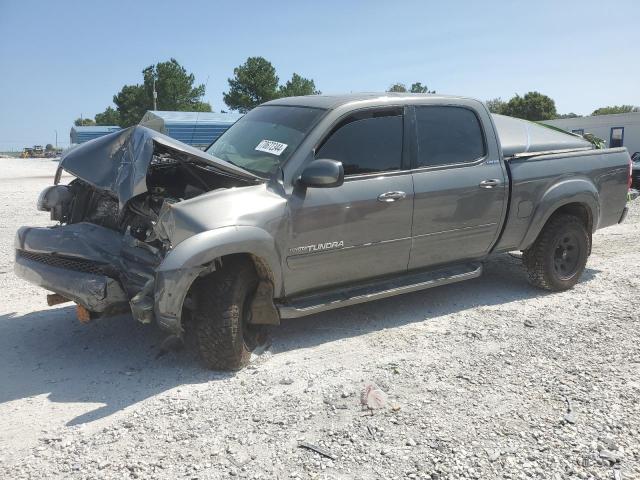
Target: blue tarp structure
[[197, 129]]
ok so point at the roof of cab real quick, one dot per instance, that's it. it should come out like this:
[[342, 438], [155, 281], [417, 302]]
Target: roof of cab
[[333, 101]]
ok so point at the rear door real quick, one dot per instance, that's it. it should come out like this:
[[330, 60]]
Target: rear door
[[460, 186], [361, 229]]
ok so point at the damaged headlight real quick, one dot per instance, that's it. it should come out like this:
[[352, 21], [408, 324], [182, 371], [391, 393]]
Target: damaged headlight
[[55, 199]]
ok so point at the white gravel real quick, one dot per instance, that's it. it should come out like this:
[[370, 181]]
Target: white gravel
[[477, 378]]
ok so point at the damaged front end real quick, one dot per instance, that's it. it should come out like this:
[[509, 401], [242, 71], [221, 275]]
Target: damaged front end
[[115, 224]]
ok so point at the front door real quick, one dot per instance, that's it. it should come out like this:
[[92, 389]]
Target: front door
[[460, 187], [361, 229]]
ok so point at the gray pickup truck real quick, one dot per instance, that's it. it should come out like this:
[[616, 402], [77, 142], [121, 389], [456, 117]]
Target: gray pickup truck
[[313, 203]]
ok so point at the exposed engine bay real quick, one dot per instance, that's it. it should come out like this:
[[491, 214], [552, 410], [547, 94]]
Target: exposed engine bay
[[168, 180], [110, 237], [172, 176]]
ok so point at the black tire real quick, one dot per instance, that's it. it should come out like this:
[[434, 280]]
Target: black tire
[[224, 337], [559, 255]]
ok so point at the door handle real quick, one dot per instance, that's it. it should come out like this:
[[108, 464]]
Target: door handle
[[391, 196], [493, 182]]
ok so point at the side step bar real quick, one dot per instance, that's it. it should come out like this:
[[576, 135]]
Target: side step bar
[[320, 302]]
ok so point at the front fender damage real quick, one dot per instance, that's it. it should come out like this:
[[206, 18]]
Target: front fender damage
[[202, 254], [171, 296], [171, 288], [118, 230]]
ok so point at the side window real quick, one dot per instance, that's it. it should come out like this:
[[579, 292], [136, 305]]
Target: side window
[[448, 135], [617, 137], [367, 142]]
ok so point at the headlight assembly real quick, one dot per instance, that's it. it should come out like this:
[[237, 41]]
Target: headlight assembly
[[55, 199]]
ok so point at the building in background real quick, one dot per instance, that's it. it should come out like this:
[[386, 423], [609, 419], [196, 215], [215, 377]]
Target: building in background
[[197, 129], [84, 134], [617, 130]]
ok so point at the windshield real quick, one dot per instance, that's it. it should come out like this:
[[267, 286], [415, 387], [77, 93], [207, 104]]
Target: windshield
[[265, 137]]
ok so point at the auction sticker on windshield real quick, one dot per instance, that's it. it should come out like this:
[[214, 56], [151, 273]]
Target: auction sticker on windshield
[[271, 146]]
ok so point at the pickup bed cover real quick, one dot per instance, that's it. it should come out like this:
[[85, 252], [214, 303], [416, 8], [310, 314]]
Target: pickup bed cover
[[522, 136]]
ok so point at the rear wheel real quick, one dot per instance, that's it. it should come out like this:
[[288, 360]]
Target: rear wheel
[[559, 255], [224, 336]]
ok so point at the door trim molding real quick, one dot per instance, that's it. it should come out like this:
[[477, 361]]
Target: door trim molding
[[456, 229]]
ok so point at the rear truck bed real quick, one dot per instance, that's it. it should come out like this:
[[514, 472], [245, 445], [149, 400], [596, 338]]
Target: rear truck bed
[[592, 184]]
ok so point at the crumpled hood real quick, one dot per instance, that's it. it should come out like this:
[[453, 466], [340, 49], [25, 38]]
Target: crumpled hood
[[118, 162]]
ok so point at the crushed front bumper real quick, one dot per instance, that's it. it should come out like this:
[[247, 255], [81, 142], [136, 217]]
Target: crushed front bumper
[[96, 292], [94, 266]]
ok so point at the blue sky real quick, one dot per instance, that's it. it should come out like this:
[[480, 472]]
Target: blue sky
[[60, 59]]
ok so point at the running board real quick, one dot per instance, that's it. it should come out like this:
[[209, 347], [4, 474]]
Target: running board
[[320, 302]]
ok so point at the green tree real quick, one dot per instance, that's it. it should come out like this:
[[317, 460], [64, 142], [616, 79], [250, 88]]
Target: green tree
[[109, 117], [175, 88], [615, 109], [131, 103], [84, 122], [48, 147], [495, 105], [253, 83], [298, 86], [397, 88], [416, 87], [532, 106], [419, 88]]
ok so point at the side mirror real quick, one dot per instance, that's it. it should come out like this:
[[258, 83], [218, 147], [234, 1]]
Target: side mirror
[[323, 173]]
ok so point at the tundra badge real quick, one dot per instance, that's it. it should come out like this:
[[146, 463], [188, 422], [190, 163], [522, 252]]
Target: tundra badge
[[316, 248]]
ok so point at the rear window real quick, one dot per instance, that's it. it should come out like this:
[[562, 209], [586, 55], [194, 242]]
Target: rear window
[[448, 135]]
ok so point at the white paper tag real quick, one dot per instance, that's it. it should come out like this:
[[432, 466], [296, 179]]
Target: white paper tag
[[272, 147]]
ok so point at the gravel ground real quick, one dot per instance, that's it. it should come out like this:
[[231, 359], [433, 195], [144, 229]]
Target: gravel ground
[[489, 378]]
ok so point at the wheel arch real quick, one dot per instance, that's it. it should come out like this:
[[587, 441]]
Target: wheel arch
[[204, 248], [578, 197], [198, 255]]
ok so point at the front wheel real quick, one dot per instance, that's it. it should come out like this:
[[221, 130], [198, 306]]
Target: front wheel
[[224, 336], [559, 255]]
